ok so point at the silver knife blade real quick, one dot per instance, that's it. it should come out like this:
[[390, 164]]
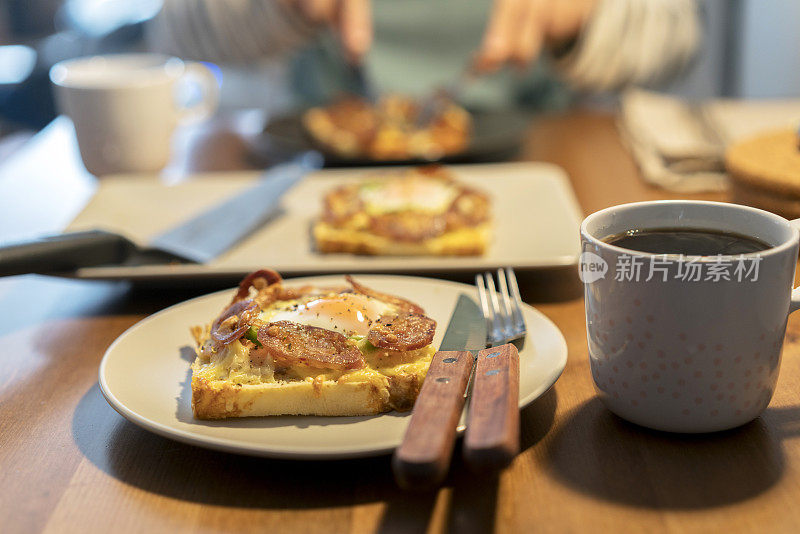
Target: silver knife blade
[[212, 232], [466, 329]]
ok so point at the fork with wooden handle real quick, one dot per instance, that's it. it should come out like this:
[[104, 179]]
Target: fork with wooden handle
[[492, 438]]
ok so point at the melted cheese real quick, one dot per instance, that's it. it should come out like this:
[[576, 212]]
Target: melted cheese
[[232, 364], [448, 243]]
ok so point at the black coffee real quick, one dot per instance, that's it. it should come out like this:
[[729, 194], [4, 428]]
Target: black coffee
[[689, 242]]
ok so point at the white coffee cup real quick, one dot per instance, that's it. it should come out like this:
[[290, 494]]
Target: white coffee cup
[[677, 351], [125, 107]]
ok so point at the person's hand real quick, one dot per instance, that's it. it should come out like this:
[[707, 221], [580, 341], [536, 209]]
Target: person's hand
[[351, 19], [518, 29]]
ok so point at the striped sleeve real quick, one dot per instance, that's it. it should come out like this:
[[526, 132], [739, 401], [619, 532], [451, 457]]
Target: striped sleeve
[[228, 31], [632, 42]]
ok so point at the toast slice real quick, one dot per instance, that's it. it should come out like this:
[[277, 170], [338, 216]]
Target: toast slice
[[415, 212], [288, 351]]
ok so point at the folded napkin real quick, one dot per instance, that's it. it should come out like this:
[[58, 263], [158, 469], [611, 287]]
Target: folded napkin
[[680, 145]]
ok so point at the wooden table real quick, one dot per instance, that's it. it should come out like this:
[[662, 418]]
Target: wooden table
[[69, 463]]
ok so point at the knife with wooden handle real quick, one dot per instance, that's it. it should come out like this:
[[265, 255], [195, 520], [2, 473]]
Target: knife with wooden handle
[[423, 458], [492, 437]]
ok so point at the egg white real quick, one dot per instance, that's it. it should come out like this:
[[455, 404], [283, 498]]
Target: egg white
[[407, 194], [351, 314]]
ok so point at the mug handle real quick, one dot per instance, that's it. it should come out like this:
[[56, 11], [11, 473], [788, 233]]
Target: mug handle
[[794, 303], [201, 76]]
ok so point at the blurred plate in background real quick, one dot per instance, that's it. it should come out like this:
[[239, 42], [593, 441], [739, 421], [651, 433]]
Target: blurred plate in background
[[496, 137]]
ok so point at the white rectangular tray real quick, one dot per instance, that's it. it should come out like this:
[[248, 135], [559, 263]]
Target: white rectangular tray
[[536, 217]]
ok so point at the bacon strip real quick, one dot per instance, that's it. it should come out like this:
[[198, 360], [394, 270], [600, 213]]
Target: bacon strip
[[267, 277], [341, 204], [408, 226], [403, 304], [406, 331], [278, 292], [469, 208], [290, 343], [234, 322]]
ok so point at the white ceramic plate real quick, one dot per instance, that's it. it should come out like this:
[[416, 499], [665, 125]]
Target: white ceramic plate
[[145, 376], [536, 224]]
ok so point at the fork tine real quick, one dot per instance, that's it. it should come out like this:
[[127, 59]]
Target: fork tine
[[519, 322], [498, 330], [508, 320]]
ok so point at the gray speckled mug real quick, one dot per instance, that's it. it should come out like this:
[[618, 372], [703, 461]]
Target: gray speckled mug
[[687, 344]]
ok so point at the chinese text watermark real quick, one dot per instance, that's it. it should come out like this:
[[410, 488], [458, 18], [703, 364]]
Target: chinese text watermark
[[662, 268]]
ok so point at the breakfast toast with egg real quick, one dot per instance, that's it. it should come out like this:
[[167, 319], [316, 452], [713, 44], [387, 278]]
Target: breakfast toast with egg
[[422, 211], [388, 129], [277, 350]]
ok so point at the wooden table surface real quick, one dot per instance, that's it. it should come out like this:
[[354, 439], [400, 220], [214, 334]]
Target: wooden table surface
[[70, 463]]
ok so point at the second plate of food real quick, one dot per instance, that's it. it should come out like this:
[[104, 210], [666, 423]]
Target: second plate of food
[[396, 129], [522, 215], [146, 376]]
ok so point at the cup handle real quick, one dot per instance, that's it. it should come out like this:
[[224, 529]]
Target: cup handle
[[201, 76], [794, 303]]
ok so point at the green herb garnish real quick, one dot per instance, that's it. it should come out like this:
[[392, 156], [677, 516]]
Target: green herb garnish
[[252, 335]]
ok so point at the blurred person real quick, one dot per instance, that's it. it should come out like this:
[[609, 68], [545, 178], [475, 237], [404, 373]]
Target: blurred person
[[412, 46]]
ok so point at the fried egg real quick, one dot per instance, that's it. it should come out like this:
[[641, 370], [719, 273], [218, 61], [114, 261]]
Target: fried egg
[[410, 194], [352, 314]]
